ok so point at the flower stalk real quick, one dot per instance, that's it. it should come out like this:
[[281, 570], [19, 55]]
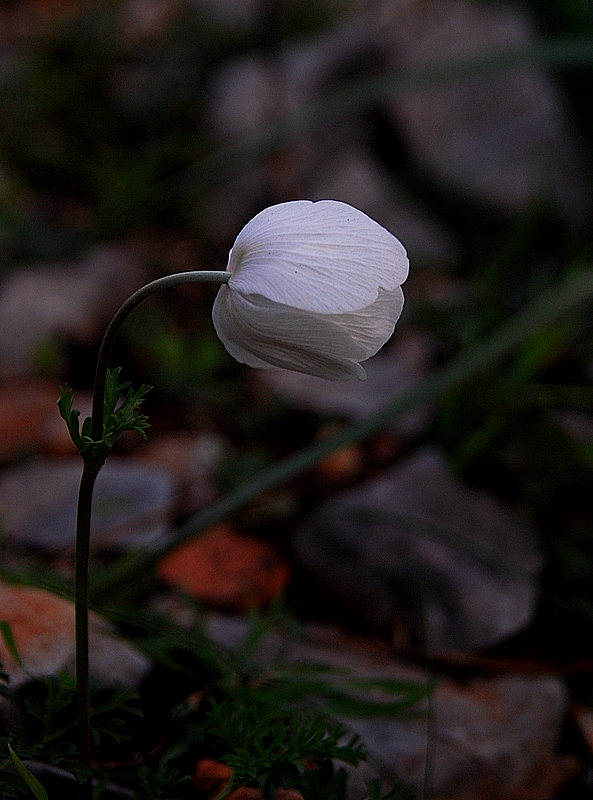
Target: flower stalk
[[167, 282], [81, 603], [94, 442]]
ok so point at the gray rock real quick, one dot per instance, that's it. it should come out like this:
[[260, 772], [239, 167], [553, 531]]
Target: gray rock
[[251, 92], [131, 503], [462, 567], [498, 136], [193, 460], [490, 735], [486, 736]]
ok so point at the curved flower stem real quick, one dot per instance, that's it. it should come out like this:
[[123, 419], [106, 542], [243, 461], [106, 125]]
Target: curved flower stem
[[90, 471], [202, 276]]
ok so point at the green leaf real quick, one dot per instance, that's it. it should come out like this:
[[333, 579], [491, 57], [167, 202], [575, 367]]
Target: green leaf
[[35, 787], [11, 785], [70, 416], [113, 391], [63, 752], [115, 420], [86, 430], [113, 727], [8, 639], [127, 417]]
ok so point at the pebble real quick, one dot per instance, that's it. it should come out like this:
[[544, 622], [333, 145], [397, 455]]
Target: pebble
[[227, 569]]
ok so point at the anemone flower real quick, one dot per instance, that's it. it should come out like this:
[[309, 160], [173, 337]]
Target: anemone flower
[[315, 288]]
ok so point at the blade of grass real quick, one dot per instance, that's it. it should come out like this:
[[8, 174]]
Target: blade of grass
[[571, 292], [33, 784], [8, 639]]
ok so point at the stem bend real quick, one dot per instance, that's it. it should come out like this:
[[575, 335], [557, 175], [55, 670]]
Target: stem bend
[[201, 276]]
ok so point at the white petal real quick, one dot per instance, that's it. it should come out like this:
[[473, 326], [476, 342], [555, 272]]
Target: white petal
[[372, 326], [261, 333], [326, 257]]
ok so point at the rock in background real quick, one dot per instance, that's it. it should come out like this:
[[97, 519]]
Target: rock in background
[[131, 504], [415, 542], [499, 137], [74, 302], [43, 628]]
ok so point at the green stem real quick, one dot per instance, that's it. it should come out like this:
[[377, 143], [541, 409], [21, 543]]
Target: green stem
[[85, 498], [202, 276], [81, 578]]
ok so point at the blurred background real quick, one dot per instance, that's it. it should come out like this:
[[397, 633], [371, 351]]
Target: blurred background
[[137, 137]]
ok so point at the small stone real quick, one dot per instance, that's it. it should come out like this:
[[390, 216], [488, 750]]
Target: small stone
[[227, 569], [289, 794], [43, 629], [131, 503], [343, 465], [210, 775], [456, 562], [246, 793]]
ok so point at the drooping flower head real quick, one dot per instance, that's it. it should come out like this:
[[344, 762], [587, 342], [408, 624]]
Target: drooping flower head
[[315, 288]]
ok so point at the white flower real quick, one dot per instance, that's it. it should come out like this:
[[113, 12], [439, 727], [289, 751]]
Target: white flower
[[315, 288]]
